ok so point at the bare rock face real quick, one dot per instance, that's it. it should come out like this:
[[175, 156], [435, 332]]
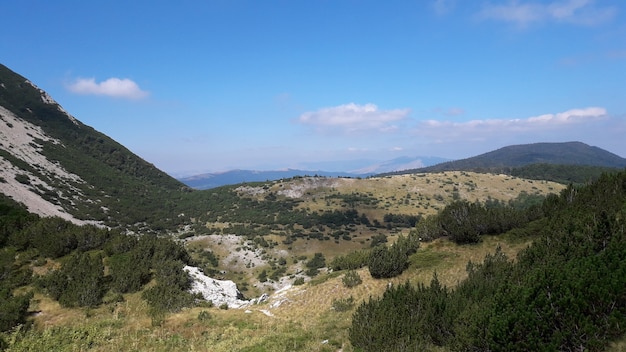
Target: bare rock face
[[217, 291]]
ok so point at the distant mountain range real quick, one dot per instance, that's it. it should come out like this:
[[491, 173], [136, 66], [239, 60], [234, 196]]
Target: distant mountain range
[[364, 169], [502, 160], [217, 179]]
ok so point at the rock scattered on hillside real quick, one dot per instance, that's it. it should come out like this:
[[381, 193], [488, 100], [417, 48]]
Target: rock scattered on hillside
[[219, 292]]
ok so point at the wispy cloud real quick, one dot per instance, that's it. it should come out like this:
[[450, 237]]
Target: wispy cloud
[[567, 117], [524, 13], [113, 87], [451, 111], [443, 7], [353, 118], [485, 129]]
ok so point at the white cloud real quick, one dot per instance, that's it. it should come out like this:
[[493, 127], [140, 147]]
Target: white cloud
[[113, 87], [353, 118], [478, 130], [569, 116], [524, 13]]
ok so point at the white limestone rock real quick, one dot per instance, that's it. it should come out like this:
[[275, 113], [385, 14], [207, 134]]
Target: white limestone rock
[[217, 291]]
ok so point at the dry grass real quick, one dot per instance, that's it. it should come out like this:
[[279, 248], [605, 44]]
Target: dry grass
[[298, 319], [618, 346], [416, 194], [301, 318]]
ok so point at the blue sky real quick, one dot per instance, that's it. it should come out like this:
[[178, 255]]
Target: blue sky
[[198, 86]]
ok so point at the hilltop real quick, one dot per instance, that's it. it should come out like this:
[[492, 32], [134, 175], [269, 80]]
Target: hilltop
[[518, 156]]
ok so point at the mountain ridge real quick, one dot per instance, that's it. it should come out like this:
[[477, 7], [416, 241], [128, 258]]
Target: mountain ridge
[[236, 176], [555, 153], [52, 143]]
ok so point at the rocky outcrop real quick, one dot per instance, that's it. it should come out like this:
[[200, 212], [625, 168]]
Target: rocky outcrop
[[219, 292]]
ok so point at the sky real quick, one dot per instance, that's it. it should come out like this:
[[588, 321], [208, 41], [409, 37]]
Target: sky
[[197, 86]]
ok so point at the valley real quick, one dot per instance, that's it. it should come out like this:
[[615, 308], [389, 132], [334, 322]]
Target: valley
[[97, 246], [243, 257]]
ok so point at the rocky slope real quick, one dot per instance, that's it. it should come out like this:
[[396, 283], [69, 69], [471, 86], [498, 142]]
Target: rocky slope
[[26, 173]]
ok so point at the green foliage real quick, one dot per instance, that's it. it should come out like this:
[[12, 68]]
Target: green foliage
[[22, 178], [566, 174], [406, 318], [351, 261], [128, 273], [387, 262], [204, 316], [342, 304], [55, 237], [165, 298], [262, 276], [317, 262], [79, 282], [351, 279], [13, 218], [13, 308], [354, 199], [401, 220], [464, 222], [378, 239], [209, 257], [564, 292]]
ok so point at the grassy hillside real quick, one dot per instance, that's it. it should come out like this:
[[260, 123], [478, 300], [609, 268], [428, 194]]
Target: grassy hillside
[[296, 218], [300, 318]]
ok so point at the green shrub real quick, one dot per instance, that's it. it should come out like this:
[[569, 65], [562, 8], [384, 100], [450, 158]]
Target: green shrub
[[351, 279], [317, 262], [343, 304], [204, 316], [79, 282], [387, 262], [351, 261]]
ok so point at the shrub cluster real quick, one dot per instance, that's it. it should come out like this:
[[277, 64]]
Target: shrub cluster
[[464, 222], [565, 292], [84, 252]]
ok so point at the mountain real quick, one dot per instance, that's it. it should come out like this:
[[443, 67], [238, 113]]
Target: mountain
[[400, 164], [568, 153], [217, 179], [365, 168], [57, 166]]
